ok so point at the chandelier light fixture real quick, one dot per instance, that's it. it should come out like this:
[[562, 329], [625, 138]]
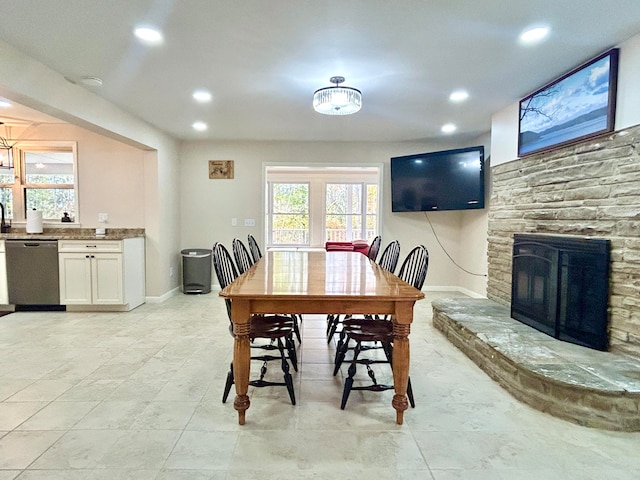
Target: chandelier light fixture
[[337, 100]]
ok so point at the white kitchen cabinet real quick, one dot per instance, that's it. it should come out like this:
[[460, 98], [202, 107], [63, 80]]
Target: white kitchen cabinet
[[4, 292], [107, 273]]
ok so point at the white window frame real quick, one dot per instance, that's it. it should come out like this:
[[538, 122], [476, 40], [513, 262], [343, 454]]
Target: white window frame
[[270, 214], [318, 175], [19, 186]]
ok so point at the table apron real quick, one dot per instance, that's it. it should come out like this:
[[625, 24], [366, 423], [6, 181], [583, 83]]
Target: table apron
[[327, 306]]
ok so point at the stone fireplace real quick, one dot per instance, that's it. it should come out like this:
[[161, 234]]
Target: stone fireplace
[[591, 190], [560, 286]]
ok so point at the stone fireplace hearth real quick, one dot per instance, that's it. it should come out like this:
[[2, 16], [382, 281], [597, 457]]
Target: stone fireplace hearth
[[582, 385]]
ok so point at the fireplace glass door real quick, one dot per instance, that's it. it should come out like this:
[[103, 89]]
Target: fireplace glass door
[[560, 286]]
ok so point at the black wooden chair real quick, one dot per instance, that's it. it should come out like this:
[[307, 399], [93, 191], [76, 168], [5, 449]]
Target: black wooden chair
[[390, 255], [255, 249], [367, 331], [374, 248], [277, 330], [241, 254], [388, 261]]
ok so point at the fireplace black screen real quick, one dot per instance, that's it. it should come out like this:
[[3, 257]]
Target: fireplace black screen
[[560, 285]]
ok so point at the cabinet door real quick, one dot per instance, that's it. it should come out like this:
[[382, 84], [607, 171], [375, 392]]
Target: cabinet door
[[75, 278], [106, 279]]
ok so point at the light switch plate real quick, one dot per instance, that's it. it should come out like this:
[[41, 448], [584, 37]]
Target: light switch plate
[[249, 222]]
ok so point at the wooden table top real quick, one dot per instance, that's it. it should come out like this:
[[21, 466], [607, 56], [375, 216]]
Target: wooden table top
[[321, 275]]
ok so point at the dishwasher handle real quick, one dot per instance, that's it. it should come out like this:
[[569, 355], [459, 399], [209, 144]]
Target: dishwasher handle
[[32, 244]]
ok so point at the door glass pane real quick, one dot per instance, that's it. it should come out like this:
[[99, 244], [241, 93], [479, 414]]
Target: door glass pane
[[336, 228], [343, 221], [372, 212], [290, 230], [290, 216]]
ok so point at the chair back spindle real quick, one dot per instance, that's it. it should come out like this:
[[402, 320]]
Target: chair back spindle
[[241, 254], [374, 248], [390, 255], [255, 249]]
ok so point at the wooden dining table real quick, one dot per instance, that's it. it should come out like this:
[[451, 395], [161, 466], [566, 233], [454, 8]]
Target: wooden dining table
[[320, 282]]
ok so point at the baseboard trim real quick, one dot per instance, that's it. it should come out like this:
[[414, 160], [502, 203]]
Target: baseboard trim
[[164, 297], [467, 292]]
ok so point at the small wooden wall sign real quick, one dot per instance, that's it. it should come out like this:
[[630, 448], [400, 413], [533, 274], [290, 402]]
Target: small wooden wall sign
[[220, 169]]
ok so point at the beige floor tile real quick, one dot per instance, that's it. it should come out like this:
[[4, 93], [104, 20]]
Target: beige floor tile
[[12, 414], [58, 416], [137, 395], [19, 449]]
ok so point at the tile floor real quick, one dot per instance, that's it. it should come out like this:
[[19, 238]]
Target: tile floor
[[137, 396]]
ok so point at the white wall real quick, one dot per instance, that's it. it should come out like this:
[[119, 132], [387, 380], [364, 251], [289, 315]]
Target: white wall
[[155, 205], [97, 185], [504, 124], [207, 206]]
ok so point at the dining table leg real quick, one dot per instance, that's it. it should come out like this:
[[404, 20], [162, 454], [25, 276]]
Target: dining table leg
[[401, 329], [241, 356]]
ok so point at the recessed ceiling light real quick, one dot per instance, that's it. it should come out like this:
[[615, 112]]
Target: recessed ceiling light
[[199, 126], [459, 96], [91, 81], [148, 35], [4, 104], [534, 34], [202, 96], [448, 128]]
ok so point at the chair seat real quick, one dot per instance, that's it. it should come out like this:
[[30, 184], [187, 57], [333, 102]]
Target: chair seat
[[271, 326], [338, 246], [368, 330]]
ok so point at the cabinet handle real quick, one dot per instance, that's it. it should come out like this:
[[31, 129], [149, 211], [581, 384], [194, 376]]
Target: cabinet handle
[[91, 246]]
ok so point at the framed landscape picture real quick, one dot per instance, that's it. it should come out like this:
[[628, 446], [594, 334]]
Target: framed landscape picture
[[576, 106]]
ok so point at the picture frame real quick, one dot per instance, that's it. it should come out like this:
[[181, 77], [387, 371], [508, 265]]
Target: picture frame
[[220, 169], [576, 106]]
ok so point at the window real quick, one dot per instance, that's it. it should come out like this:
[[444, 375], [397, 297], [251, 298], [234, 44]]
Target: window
[[289, 219], [307, 206], [43, 178], [351, 211]]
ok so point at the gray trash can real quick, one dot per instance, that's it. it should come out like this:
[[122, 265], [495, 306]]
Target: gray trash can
[[196, 270]]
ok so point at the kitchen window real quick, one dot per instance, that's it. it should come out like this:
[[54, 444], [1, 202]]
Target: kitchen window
[[43, 177]]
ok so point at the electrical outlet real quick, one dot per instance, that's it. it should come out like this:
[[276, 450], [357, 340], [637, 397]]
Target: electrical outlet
[[103, 217], [249, 222], [170, 272], [234, 222]]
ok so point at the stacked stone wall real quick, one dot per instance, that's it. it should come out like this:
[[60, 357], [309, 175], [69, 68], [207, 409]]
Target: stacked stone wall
[[587, 189]]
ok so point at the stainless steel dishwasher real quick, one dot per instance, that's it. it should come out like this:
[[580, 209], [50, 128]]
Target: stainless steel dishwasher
[[32, 272]]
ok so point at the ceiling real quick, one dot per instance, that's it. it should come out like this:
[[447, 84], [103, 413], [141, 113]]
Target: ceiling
[[262, 60]]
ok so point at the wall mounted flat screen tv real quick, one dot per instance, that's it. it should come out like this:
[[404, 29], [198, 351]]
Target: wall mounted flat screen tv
[[445, 180]]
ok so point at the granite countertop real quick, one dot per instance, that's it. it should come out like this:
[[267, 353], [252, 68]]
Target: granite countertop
[[73, 234]]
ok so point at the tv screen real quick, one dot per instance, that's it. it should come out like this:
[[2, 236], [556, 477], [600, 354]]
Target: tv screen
[[446, 180]]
